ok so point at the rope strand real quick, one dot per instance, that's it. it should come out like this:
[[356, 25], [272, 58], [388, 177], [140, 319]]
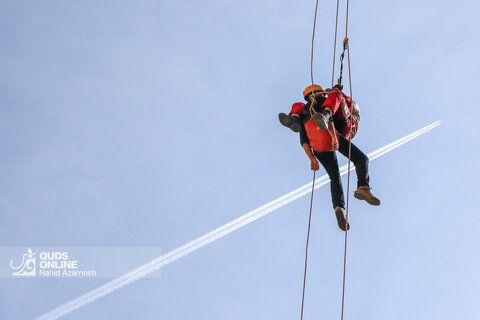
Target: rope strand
[[313, 43], [306, 246], [335, 44], [313, 182], [349, 147], [349, 162]]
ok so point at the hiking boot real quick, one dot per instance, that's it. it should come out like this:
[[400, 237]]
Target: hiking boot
[[340, 214], [363, 193], [322, 118], [291, 122]]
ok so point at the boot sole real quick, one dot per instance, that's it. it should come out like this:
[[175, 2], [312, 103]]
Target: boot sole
[[320, 120], [341, 220], [371, 201], [287, 122]]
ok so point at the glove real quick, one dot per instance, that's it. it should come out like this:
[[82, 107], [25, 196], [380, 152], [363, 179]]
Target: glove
[[338, 86]]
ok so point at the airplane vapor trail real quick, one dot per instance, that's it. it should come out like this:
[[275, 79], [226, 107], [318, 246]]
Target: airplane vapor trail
[[214, 235]]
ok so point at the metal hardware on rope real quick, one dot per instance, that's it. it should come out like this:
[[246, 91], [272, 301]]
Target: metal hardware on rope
[[306, 247], [345, 48]]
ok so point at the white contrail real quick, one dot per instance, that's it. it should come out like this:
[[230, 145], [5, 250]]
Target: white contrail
[[216, 234]]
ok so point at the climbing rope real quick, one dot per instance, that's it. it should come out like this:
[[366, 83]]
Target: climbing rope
[[346, 47], [311, 55], [306, 247], [335, 43], [313, 101]]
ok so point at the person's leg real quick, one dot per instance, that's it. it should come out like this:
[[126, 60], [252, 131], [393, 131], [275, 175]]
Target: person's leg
[[360, 160], [292, 120], [333, 101], [329, 161], [329, 108], [341, 218]]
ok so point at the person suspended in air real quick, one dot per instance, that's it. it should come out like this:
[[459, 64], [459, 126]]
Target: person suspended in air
[[325, 125]]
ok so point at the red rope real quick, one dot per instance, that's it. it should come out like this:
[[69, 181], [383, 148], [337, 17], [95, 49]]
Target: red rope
[[306, 247], [313, 40], [349, 153], [335, 44], [349, 162], [313, 182]]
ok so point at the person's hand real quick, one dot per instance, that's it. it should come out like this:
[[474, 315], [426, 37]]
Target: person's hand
[[335, 145], [338, 86], [314, 164]]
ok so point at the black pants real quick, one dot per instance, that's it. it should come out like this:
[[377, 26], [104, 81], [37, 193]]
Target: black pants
[[328, 159]]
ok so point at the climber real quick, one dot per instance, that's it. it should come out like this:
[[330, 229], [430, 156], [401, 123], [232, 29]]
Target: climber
[[325, 125]]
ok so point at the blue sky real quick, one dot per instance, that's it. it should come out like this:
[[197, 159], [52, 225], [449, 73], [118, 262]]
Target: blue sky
[[150, 123]]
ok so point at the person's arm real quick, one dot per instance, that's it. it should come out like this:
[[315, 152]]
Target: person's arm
[[331, 130], [313, 161], [305, 142], [347, 99]]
